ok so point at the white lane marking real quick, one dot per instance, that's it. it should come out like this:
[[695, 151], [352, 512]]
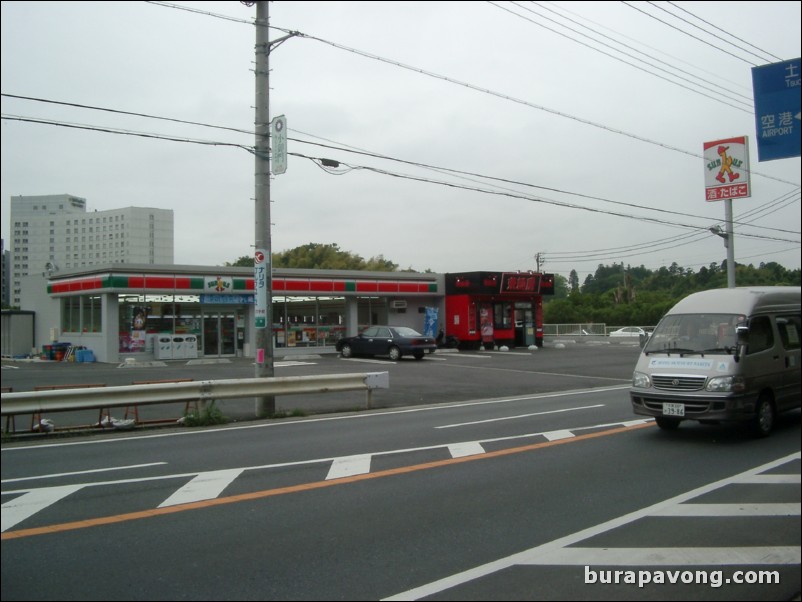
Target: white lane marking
[[70, 474], [780, 479], [448, 426], [205, 486], [783, 509], [25, 506], [348, 466], [670, 556], [365, 360], [546, 553], [556, 435], [306, 421], [469, 448]]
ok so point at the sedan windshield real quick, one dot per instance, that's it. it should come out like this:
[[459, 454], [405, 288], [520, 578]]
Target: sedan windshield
[[686, 334]]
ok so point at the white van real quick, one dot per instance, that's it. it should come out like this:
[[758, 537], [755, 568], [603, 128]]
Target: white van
[[723, 355]]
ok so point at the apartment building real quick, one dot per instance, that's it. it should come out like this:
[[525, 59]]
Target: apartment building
[[55, 232]]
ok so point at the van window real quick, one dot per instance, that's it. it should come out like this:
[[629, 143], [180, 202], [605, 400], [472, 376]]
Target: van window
[[694, 333], [789, 328], [761, 336]]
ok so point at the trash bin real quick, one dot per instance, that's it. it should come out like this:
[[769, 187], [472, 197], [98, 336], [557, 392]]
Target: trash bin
[[164, 347], [190, 346], [178, 347]]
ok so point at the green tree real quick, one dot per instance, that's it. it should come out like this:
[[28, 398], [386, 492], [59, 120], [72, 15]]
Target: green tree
[[243, 262], [316, 256]]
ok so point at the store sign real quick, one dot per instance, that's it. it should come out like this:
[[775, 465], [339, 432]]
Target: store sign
[[519, 283], [218, 284], [727, 169], [278, 144], [227, 299], [260, 273]]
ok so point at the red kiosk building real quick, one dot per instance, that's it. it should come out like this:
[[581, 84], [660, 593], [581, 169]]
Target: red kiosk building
[[489, 309]]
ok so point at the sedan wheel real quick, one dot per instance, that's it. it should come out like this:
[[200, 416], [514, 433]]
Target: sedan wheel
[[395, 353], [346, 351]]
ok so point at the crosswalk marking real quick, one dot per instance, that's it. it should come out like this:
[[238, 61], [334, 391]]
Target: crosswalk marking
[[28, 504], [205, 486], [349, 466], [564, 551], [470, 448], [555, 435]]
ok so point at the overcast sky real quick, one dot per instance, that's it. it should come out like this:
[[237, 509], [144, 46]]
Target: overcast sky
[[572, 131]]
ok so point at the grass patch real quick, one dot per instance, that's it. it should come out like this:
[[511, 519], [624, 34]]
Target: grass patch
[[210, 415]]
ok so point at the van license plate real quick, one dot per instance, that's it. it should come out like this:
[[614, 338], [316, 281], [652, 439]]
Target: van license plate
[[673, 409]]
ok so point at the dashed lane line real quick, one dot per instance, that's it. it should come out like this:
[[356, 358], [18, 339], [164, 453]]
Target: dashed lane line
[[12, 511]]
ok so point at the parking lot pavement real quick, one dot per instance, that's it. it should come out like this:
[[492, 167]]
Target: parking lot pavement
[[443, 377]]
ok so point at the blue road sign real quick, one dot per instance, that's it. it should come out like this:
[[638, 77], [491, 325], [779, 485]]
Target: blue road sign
[[777, 109]]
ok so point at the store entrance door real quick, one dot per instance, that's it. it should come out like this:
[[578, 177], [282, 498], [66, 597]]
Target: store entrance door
[[219, 333], [524, 325]]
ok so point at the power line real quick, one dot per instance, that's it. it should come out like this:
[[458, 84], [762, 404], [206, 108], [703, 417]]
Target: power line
[[416, 164], [688, 34], [717, 97], [708, 32], [654, 58]]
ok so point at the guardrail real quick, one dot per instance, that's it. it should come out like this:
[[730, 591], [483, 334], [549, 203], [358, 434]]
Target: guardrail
[[91, 398]]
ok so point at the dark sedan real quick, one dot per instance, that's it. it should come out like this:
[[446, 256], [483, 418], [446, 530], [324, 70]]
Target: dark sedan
[[393, 341]]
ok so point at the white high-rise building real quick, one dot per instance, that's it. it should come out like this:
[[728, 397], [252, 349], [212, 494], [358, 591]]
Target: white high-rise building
[[55, 232]]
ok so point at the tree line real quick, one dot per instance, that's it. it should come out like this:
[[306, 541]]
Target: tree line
[[625, 295], [615, 294]]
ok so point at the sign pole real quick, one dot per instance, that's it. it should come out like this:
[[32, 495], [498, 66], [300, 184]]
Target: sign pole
[[729, 242]]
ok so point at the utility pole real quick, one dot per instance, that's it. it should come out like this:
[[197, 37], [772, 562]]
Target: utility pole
[[263, 257], [538, 261]]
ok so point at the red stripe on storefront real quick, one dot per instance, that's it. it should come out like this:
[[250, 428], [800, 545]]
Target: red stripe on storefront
[[159, 282]]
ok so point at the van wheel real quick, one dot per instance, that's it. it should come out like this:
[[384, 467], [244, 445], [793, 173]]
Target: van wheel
[[667, 424], [763, 421]]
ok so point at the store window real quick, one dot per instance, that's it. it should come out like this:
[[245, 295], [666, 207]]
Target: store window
[[502, 316], [143, 317], [81, 314], [308, 321], [71, 314]]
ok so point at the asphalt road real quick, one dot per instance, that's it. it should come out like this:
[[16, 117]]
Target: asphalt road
[[496, 495]]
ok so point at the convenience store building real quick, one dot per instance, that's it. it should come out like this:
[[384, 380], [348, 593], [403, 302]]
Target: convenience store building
[[150, 312]]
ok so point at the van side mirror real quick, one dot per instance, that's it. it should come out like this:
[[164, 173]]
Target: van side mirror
[[741, 338]]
